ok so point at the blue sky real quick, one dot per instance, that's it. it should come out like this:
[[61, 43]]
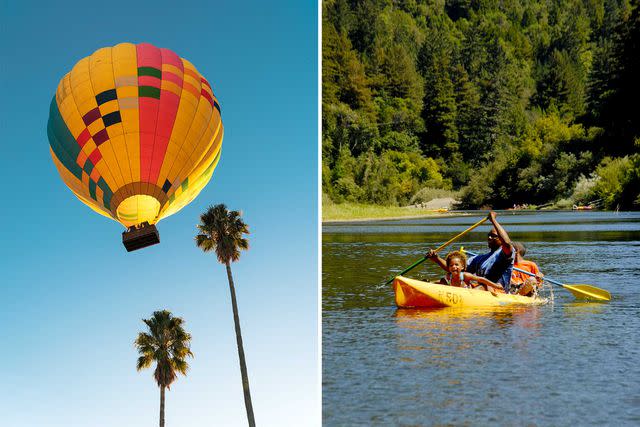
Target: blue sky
[[72, 298]]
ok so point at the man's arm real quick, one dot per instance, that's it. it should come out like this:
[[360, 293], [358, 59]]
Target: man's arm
[[504, 237]]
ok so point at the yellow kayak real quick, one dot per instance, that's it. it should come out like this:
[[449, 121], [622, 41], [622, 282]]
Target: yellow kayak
[[412, 293]]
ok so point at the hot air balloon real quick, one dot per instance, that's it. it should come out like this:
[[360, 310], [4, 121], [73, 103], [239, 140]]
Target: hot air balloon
[[135, 132]]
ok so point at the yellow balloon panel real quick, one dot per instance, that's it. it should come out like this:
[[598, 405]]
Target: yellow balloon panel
[[137, 209], [185, 195], [135, 132]]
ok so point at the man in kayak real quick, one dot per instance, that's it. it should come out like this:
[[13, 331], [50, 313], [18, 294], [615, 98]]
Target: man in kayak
[[495, 265], [522, 283]]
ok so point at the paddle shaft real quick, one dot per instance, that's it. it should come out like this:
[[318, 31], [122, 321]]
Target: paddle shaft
[[453, 239], [444, 245], [411, 267]]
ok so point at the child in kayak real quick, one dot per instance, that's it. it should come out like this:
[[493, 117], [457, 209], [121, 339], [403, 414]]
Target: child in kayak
[[455, 264], [522, 283]]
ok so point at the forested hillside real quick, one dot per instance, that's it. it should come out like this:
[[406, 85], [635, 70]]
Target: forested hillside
[[509, 102]]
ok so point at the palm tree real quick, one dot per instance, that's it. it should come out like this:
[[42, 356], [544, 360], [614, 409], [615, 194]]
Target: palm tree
[[167, 344], [222, 231]]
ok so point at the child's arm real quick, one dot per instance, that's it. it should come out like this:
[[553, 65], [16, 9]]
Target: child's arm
[[433, 256], [483, 280]]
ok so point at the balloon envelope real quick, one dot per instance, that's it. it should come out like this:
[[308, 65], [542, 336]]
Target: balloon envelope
[[135, 132]]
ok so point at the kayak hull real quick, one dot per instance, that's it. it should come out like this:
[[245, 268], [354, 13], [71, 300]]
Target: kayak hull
[[411, 293]]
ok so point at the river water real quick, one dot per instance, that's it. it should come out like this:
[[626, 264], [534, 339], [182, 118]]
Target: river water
[[566, 363]]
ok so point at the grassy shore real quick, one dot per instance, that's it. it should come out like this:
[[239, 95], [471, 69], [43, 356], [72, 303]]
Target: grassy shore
[[360, 212], [354, 212]]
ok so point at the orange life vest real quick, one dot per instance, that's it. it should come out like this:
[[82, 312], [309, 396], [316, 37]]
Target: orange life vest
[[517, 277]]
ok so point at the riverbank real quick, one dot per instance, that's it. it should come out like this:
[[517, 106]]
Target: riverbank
[[349, 212], [358, 212]]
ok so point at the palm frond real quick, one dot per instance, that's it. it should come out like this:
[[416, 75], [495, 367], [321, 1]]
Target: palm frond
[[205, 242], [144, 362], [179, 365], [144, 340]]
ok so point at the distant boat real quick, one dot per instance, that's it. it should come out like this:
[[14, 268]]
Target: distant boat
[[582, 208], [520, 207]]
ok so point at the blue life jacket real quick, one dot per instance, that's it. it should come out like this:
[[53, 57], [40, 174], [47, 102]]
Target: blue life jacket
[[495, 266]]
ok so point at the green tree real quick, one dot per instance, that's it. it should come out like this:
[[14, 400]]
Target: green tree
[[167, 344], [612, 112], [630, 195], [600, 77], [347, 128], [564, 63], [394, 177], [343, 75], [398, 77], [617, 182], [468, 107], [439, 105], [338, 14], [222, 231], [363, 29]]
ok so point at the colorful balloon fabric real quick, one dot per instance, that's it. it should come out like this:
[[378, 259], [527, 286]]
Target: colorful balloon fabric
[[135, 132]]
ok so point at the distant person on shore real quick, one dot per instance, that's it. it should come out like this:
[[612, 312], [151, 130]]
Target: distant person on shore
[[455, 265], [522, 283], [497, 264]]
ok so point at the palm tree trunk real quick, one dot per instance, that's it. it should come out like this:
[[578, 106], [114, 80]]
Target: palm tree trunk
[[243, 364], [162, 406]]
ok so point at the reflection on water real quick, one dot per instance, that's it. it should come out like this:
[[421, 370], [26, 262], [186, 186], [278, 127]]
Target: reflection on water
[[462, 317], [580, 308], [538, 365], [444, 332]]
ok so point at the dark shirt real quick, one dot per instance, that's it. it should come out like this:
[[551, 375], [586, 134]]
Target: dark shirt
[[495, 266]]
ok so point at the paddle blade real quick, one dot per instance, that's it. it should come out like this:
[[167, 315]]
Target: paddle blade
[[588, 292]]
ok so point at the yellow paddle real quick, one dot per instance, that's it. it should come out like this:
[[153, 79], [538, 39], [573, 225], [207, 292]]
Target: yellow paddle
[[444, 245], [578, 290]]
